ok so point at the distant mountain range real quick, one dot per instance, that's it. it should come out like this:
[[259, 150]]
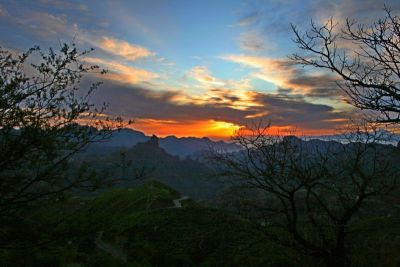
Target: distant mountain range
[[172, 160], [193, 146], [382, 136], [182, 147]]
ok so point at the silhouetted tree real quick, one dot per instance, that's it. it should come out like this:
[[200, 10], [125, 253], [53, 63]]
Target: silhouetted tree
[[365, 57], [305, 195], [41, 106]]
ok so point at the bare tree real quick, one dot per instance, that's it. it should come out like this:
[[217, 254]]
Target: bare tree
[[304, 195], [365, 57]]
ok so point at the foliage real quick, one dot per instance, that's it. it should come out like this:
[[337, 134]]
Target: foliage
[[41, 104], [306, 195], [142, 222]]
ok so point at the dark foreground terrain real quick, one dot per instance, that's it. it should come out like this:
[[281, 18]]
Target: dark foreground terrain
[[171, 217]]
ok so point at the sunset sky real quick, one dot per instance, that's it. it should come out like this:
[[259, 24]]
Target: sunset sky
[[196, 68]]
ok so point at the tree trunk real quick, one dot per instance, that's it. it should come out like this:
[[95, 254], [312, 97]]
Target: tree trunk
[[337, 257]]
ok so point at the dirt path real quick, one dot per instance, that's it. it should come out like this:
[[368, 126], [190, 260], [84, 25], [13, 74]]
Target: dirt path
[[114, 251], [117, 252], [177, 202]]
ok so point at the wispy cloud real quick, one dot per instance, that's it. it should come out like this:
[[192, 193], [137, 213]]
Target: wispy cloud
[[65, 5], [277, 71], [251, 41], [206, 80], [250, 18], [44, 25], [289, 78], [203, 76], [3, 11], [235, 99], [123, 73], [128, 51]]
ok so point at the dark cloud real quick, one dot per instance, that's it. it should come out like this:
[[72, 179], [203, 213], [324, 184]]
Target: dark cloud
[[140, 103], [285, 91], [322, 86], [295, 111], [137, 102]]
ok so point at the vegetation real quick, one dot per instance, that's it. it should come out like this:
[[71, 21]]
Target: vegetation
[[140, 226], [306, 195], [40, 107], [143, 224]]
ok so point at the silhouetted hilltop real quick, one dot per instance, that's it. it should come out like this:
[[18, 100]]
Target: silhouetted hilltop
[[182, 147], [189, 177]]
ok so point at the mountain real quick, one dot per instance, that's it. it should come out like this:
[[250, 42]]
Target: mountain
[[382, 136], [182, 147], [150, 161], [193, 146], [187, 146]]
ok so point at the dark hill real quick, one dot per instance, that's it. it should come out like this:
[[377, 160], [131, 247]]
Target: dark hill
[[140, 226], [189, 177]]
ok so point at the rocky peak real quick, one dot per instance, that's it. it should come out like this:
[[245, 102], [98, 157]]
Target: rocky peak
[[154, 141]]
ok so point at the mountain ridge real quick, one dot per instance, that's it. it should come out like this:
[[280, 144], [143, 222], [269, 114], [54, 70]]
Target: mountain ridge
[[176, 146]]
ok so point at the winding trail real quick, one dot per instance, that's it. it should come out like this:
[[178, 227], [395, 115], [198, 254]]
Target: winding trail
[[116, 252], [177, 202]]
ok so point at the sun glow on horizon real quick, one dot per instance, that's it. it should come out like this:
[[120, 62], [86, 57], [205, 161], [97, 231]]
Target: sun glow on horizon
[[214, 129], [204, 128]]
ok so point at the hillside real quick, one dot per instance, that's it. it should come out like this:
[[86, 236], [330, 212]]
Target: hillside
[[141, 226]]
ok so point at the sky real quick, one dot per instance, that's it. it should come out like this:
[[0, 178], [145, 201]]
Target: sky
[[196, 68]]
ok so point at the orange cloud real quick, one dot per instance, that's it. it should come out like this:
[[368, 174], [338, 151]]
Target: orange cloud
[[285, 75], [202, 75], [276, 71], [232, 93], [206, 80], [124, 49], [235, 99], [122, 73]]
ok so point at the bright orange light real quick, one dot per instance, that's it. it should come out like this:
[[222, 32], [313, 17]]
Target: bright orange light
[[212, 128], [208, 128]]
